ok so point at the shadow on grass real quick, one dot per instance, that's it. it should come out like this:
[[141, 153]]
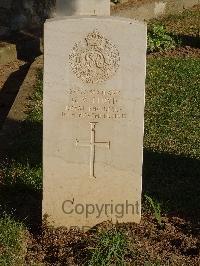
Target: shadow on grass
[[21, 164], [174, 181], [23, 203], [187, 40]]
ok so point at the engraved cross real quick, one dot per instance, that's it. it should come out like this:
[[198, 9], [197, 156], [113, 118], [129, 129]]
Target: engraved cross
[[92, 145]]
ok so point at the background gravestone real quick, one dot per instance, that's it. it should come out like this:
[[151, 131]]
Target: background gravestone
[[83, 7], [94, 80]]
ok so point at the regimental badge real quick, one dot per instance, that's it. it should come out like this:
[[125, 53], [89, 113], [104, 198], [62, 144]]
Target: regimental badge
[[94, 60]]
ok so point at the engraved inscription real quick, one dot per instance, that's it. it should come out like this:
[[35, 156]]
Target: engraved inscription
[[94, 104], [92, 145], [94, 60]]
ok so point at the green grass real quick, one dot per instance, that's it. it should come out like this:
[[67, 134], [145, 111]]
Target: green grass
[[114, 247], [110, 249], [21, 172], [12, 242], [173, 106], [172, 150], [35, 113], [20, 191], [171, 153], [26, 150], [155, 208]]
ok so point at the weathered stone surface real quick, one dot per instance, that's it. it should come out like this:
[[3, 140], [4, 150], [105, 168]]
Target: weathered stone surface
[[83, 7], [189, 4], [94, 79], [8, 53]]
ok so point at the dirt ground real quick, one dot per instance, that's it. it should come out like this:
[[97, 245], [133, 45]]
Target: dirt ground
[[130, 3], [6, 70], [176, 243], [183, 52], [11, 77]]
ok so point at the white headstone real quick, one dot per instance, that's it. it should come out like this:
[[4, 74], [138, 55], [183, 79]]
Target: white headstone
[[94, 80], [83, 7]]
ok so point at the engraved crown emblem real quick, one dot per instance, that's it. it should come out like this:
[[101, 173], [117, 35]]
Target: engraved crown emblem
[[94, 60], [95, 39]]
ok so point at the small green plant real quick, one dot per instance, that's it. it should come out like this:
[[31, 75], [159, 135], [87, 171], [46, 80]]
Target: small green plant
[[110, 249], [159, 39], [156, 209]]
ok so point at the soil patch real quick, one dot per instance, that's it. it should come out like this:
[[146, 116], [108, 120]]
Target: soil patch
[[11, 78], [177, 243], [184, 52], [130, 3]]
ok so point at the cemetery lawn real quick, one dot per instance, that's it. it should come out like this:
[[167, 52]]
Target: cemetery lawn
[[169, 231], [170, 178]]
